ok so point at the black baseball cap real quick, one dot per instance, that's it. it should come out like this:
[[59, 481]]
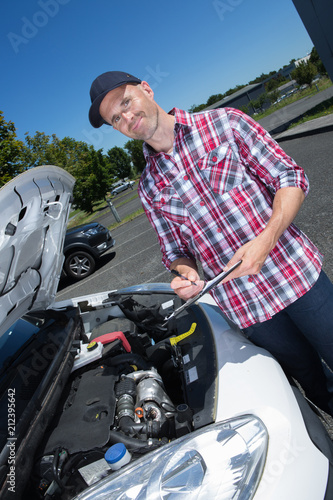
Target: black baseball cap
[[100, 87]]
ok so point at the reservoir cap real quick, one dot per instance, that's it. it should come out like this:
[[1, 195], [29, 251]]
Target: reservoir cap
[[115, 453]]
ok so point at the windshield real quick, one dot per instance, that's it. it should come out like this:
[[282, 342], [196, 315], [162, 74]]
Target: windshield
[[31, 352], [16, 337]]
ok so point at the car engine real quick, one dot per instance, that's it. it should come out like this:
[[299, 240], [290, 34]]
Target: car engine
[[129, 384]]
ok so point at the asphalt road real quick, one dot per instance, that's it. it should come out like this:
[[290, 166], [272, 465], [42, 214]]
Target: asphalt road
[[315, 218], [136, 257], [281, 119]]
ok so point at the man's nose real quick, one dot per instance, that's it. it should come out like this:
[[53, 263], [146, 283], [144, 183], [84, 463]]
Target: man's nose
[[127, 115]]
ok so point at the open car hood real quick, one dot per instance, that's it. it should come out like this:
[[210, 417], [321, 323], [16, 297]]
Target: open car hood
[[34, 209]]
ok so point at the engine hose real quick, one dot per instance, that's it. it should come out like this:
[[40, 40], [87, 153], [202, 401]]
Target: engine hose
[[55, 471], [130, 443], [134, 359], [133, 444], [151, 428]]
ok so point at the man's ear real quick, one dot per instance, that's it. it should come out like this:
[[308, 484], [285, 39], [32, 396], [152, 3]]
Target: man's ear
[[147, 89]]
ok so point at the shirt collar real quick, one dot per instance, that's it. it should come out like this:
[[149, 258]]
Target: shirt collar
[[182, 119]]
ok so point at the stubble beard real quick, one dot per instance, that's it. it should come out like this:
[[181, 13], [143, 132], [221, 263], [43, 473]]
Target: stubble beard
[[152, 128]]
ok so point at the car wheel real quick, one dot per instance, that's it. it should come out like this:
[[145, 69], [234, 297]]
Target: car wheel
[[79, 265]]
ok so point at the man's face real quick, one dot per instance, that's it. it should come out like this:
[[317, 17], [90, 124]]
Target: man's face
[[131, 109]]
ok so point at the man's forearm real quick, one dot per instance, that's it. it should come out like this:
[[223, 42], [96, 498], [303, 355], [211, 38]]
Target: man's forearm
[[253, 254], [286, 204]]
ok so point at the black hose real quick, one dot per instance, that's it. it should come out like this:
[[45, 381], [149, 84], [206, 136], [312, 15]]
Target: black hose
[[55, 471], [129, 358], [134, 444], [130, 443]]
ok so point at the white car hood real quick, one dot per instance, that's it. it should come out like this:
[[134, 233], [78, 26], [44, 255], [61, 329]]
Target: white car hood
[[34, 208]]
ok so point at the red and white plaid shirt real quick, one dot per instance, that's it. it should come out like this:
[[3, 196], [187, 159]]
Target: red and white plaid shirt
[[215, 193]]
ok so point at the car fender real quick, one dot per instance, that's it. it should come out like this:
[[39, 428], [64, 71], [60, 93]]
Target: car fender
[[80, 246], [247, 374]]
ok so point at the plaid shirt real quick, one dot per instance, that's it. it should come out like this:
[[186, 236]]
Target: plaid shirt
[[215, 193]]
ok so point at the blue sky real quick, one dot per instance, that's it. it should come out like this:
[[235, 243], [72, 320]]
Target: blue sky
[[51, 51]]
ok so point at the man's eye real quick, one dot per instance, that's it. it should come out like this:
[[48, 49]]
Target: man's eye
[[117, 119]]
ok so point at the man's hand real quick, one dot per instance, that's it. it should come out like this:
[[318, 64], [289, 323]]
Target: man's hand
[[184, 288], [253, 255]]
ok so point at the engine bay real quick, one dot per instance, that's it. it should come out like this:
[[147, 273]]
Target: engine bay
[[134, 382]]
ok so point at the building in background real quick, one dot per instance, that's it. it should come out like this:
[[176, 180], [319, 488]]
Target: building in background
[[245, 98]]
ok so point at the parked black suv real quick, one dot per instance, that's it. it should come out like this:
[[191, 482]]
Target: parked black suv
[[83, 246]]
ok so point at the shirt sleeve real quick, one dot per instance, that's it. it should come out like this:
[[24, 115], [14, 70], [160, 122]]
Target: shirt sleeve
[[169, 235], [263, 155]]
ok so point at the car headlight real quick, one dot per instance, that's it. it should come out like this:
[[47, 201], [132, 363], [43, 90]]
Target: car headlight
[[92, 230], [222, 461]]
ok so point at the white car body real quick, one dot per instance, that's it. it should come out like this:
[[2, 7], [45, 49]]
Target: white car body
[[251, 382]]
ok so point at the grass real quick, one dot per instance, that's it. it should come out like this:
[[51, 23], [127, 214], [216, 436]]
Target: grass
[[135, 195], [127, 219], [323, 109], [78, 217], [322, 84]]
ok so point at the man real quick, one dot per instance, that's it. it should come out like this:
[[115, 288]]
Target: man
[[218, 189]]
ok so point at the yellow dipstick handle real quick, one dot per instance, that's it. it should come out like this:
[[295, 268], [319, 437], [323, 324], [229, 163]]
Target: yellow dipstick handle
[[175, 340]]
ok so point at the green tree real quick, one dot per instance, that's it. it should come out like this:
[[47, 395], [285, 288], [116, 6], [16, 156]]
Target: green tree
[[233, 90], [245, 108], [134, 148], [38, 150], [91, 177], [85, 164], [196, 108], [275, 82], [273, 96], [315, 59], [11, 163], [213, 99], [260, 101], [119, 162], [304, 73], [64, 152], [262, 77]]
